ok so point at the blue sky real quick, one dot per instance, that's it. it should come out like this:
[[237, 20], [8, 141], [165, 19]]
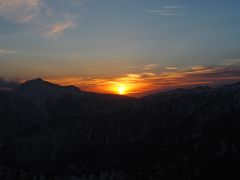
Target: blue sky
[[76, 38]]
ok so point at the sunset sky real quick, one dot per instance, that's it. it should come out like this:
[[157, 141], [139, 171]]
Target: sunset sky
[[121, 46]]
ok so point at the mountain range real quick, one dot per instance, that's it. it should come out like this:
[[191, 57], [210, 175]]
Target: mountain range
[[48, 131]]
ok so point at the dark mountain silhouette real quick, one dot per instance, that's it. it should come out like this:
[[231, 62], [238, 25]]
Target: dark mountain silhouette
[[8, 84], [49, 131]]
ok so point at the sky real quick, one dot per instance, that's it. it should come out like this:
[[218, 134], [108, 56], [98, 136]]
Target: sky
[[111, 46]]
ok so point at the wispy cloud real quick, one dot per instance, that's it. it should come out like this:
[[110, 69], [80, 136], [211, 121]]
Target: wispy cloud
[[7, 51], [58, 28], [171, 68], [139, 83], [150, 66], [232, 62], [20, 11], [145, 67], [168, 11], [42, 15]]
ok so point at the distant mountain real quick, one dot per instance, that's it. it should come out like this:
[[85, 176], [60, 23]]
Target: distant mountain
[[48, 131]]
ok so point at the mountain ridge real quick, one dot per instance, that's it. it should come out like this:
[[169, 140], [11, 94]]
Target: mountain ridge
[[41, 82], [57, 131]]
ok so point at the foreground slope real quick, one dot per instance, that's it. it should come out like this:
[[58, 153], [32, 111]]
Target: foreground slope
[[62, 131]]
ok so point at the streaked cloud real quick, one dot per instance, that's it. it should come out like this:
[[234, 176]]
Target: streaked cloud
[[42, 16], [150, 66], [7, 51], [21, 11], [171, 68], [145, 67], [232, 62], [167, 11], [58, 28], [140, 83]]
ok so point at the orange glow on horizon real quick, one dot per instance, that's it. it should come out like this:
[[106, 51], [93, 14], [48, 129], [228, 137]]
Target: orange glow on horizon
[[138, 84], [105, 86], [121, 89]]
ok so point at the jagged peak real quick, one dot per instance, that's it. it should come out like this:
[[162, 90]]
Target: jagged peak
[[41, 83], [38, 81]]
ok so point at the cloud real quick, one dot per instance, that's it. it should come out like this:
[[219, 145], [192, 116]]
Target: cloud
[[150, 66], [140, 83], [20, 11], [42, 16], [168, 11], [7, 51], [232, 62], [58, 28], [171, 68], [145, 67]]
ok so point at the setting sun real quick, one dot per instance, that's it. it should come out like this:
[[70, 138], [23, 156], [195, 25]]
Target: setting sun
[[121, 89]]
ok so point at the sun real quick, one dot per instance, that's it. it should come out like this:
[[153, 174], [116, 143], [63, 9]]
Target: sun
[[121, 89]]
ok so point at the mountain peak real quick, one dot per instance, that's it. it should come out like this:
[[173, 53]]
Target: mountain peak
[[39, 91], [37, 86], [44, 86], [38, 81]]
